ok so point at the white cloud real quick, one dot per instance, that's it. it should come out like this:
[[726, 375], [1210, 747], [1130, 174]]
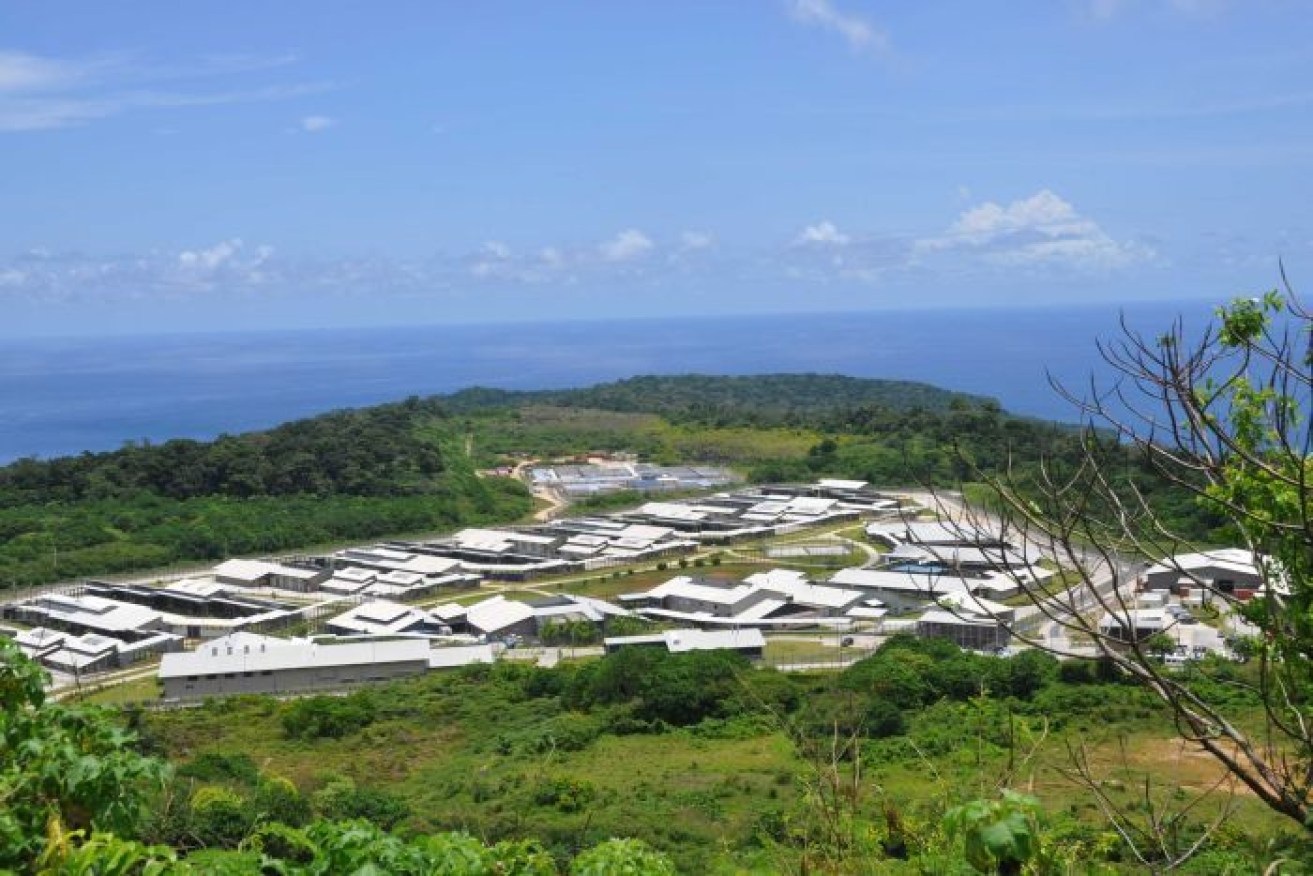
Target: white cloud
[[858, 32], [22, 72], [822, 234], [691, 240], [625, 246], [40, 93], [1106, 10], [210, 259], [1042, 228], [497, 250], [315, 124]]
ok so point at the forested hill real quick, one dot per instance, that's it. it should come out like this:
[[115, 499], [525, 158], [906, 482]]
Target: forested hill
[[348, 475], [383, 450], [398, 449], [410, 466], [766, 399]]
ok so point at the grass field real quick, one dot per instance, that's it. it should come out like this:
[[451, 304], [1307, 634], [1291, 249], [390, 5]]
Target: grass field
[[469, 752], [140, 690]]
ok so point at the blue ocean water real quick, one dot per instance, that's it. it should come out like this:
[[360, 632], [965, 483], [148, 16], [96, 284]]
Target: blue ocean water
[[63, 396]]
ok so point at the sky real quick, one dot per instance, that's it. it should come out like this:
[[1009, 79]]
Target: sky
[[242, 165]]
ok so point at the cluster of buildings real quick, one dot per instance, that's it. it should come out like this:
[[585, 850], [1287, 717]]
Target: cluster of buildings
[[929, 605], [1169, 590], [98, 627], [653, 531], [575, 544], [764, 511], [599, 476], [935, 578], [494, 618]]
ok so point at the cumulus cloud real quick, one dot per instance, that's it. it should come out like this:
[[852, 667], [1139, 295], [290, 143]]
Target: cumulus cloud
[[822, 234], [225, 267], [857, 31], [211, 258], [626, 246], [1042, 228], [497, 250], [315, 124]]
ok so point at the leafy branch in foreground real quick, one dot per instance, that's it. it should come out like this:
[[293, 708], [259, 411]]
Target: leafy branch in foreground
[[1222, 415]]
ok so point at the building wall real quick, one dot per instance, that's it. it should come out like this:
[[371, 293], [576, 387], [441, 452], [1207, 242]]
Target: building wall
[[683, 603], [1225, 581], [526, 627], [304, 585], [975, 638], [287, 680]]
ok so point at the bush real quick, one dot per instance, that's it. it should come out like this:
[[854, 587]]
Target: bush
[[567, 795], [219, 817], [277, 799], [282, 842], [341, 800], [621, 857], [328, 717], [221, 766], [884, 719]]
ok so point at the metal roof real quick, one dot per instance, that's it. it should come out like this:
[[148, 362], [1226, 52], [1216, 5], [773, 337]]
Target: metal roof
[[292, 656]]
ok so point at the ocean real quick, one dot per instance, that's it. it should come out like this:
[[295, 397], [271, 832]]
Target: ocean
[[66, 396]]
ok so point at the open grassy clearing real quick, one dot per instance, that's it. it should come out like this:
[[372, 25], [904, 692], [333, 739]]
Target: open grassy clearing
[[137, 690], [480, 751], [824, 648]]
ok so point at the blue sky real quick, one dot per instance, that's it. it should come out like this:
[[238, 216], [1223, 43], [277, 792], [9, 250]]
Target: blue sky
[[245, 165]]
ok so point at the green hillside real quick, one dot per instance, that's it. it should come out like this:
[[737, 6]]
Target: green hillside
[[410, 467], [766, 399]]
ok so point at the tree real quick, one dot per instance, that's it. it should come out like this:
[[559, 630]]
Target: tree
[[1218, 416], [64, 770]]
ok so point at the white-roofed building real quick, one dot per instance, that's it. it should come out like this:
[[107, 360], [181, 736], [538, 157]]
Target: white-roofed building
[[499, 616], [940, 533], [194, 587], [968, 603], [90, 652], [262, 573], [247, 663], [800, 592], [777, 598], [1227, 571], [88, 614], [686, 594], [388, 559], [456, 656], [380, 617], [902, 590], [748, 642], [567, 608], [837, 484], [1135, 623], [349, 581]]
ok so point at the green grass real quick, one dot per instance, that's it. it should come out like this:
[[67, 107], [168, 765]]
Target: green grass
[[806, 650], [139, 690], [678, 790], [474, 751]]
